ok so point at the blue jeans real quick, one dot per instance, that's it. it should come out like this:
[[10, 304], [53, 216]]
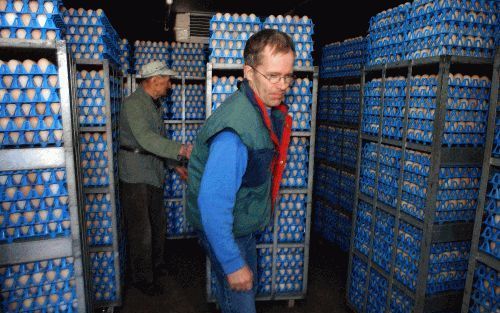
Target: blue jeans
[[234, 301]]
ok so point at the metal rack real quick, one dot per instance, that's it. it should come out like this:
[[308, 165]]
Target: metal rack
[[476, 254], [337, 165], [275, 245], [432, 233], [110, 251], [66, 252], [184, 80]]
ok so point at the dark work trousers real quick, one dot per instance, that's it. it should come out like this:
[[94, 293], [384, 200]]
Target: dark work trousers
[[146, 222]]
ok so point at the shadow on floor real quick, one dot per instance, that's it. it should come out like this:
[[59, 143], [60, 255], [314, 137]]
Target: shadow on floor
[[185, 286]]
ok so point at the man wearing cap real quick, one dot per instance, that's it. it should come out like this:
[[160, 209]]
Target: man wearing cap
[[143, 150]]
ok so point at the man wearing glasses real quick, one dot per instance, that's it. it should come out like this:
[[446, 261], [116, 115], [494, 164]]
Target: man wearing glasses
[[236, 167]]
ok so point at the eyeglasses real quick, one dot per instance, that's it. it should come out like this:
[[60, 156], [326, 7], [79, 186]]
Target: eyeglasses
[[275, 78]]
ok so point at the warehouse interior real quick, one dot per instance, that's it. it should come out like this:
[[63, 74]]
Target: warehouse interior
[[389, 198]]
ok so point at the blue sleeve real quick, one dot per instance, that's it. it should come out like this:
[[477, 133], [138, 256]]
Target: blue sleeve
[[221, 181]]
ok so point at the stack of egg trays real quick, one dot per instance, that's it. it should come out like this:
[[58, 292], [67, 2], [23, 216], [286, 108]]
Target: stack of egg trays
[[43, 266], [484, 297], [483, 279], [388, 173], [394, 103], [296, 172], [447, 262], [147, 51], [489, 235], [457, 193], [322, 142], [335, 104], [99, 91], [125, 56], [386, 35], [104, 276], [466, 114], [22, 19], [496, 141], [301, 30], [349, 148], [451, 27], [31, 105], [188, 58], [290, 221], [194, 94], [368, 167], [171, 105], [370, 122], [332, 144], [90, 35], [328, 183], [288, 271], [222, 88], [323, 103], [91, 98], [347, 185], [299, 100], [174, 189], [343, 59], [228, 35], [336, 225], [352, 99]]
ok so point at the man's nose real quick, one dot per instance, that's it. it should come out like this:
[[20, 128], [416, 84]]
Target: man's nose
[[282, 84]]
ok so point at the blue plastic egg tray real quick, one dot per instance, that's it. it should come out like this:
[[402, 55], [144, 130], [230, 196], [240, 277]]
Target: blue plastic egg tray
[[292, 218], [31, 20], [222, 88], [296, 171], [343, 59], [364, 221], [173, 185], [46, 285], [176, 221], [98, 216], [103, 276], [383, 239], [400, 302], [90, 35], [377, 297], [30, 109], [489, 240], [35, 204], [484, 296], [347, 185], [264, 271], [357, 290], [289, 270]]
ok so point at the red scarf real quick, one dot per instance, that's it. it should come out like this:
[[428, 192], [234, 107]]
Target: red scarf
[[281, 148]]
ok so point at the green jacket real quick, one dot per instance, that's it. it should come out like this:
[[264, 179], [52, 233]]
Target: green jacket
[[252, 209], [141, 126]]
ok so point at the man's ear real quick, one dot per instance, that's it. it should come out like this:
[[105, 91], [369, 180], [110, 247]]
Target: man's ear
[[248, 72]]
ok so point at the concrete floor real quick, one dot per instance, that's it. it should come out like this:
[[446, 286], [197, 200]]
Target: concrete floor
[[185, 290]]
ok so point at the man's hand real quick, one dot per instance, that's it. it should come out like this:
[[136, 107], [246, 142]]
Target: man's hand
[[186, 150], [241, 280], [182, 171]]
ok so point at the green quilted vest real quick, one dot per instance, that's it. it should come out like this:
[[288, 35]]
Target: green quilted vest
[[253, 200]]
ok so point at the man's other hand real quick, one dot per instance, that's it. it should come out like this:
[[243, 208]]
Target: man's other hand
[[182, 171], [241, 280]]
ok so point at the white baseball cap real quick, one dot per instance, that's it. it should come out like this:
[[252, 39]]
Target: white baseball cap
[[156, 68]]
